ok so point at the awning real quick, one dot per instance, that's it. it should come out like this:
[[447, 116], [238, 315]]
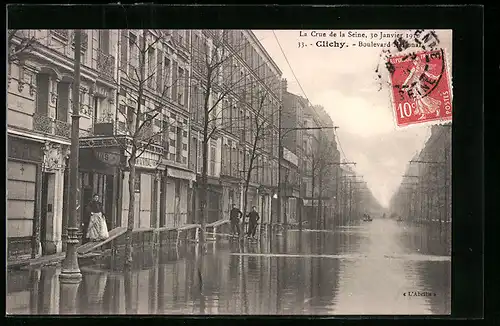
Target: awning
[[181, 174]]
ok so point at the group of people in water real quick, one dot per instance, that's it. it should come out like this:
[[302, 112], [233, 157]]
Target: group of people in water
[[253, 218]]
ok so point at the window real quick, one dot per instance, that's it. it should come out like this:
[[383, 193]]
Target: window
[[96, 108], [137, 182], [173, 128], [133, 50], [184, 134], [151, 67], [193, 153], [184, 147], [194, 102], [42, 94], [212, 160], [167, 68], [62, 102], [104, 40], [159, 72], [179, 144], [130, 115], [180, 91], [175, 81], [172, 142]]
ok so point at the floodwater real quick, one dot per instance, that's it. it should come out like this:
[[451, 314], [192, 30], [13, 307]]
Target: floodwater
[[373, 268]]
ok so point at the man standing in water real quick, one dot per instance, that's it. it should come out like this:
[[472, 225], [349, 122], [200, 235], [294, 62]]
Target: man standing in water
[[253, 218], [234, 217]]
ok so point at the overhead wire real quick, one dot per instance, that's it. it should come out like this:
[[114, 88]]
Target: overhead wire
[[304, 93]]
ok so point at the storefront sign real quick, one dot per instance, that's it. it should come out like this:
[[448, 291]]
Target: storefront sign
[[290, 157], [25, 150], [147, 163], [179, 174], [108, 157]]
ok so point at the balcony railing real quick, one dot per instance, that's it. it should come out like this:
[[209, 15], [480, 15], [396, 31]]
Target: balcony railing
[[105, 64], [46, 125], [85, 40], [61, 33]]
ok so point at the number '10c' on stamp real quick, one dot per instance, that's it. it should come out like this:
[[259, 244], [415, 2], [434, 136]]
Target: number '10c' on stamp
[[421, 89]]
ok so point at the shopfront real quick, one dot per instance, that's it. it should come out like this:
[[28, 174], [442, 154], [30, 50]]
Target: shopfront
[[178, 186], [24, 173], [101, 173]]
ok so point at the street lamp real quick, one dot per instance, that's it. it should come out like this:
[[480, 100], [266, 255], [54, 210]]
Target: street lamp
[[70, 272], [282, 132]]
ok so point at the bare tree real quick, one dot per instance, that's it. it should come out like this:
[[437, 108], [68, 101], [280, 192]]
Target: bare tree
[[322, 170], [260, 130], [215, 54], [145, 78]]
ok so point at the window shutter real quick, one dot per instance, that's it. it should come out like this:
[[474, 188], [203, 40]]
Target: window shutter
[[175, 82], [124, 48], [186, 87]]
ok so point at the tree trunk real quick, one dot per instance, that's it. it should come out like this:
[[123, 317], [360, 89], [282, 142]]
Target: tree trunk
[[313, 212], [204, 183], [131, 210], [320, 202], [245, 205]]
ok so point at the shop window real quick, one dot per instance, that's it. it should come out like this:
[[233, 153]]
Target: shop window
[[137, 182]]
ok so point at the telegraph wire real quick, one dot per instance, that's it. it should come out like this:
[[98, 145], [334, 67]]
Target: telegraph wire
[[305, 95]]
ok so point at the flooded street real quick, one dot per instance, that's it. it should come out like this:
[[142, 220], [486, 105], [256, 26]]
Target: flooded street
[[379, 267]]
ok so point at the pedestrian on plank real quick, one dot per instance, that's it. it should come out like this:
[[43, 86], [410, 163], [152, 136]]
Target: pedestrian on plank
[[253, 218], [234, 217]]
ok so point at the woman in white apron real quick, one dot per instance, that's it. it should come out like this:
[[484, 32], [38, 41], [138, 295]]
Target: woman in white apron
[[97, 229]]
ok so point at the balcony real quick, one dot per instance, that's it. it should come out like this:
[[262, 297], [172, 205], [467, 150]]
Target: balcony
[[63, 34], [85, 40], [46, 125], [105, 64]]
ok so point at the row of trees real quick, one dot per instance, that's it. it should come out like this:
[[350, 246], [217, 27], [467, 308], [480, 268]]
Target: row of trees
[[324, 169]]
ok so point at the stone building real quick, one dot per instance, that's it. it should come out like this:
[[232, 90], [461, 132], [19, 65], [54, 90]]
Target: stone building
[[39, 115], [425, 193], [243, 76]]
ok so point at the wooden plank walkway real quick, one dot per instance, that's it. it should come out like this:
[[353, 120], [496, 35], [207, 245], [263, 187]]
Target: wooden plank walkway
[[113, 234], [188, 227]]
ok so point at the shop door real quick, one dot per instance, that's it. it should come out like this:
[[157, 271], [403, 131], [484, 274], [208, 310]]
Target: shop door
[[108, 201], [44, 211], [154, 204], [137, 210]]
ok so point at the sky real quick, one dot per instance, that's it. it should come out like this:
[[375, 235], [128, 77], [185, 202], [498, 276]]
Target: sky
[[345, 83]]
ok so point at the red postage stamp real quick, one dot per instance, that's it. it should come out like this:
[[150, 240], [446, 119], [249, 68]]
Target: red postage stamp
[[420, 87]]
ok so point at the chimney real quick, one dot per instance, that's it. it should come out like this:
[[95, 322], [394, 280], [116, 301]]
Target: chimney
[[284, 85]]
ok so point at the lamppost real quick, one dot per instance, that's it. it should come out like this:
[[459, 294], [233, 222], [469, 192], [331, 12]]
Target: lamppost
[[70, 270], [70, 277], [282, 132]]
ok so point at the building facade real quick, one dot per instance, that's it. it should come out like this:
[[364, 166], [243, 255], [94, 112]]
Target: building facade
[[246, 92], [425, 193], [149, 77]]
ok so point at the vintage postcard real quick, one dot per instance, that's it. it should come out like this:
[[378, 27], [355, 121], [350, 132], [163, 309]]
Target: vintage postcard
[[229, 172]]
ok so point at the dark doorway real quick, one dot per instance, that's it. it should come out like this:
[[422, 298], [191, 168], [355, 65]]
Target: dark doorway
[[87, 198], [163, 198], [154, 203], [44, 211], [65, 204]]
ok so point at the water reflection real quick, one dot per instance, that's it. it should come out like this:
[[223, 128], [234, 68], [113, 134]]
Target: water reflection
[[359, 270]]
